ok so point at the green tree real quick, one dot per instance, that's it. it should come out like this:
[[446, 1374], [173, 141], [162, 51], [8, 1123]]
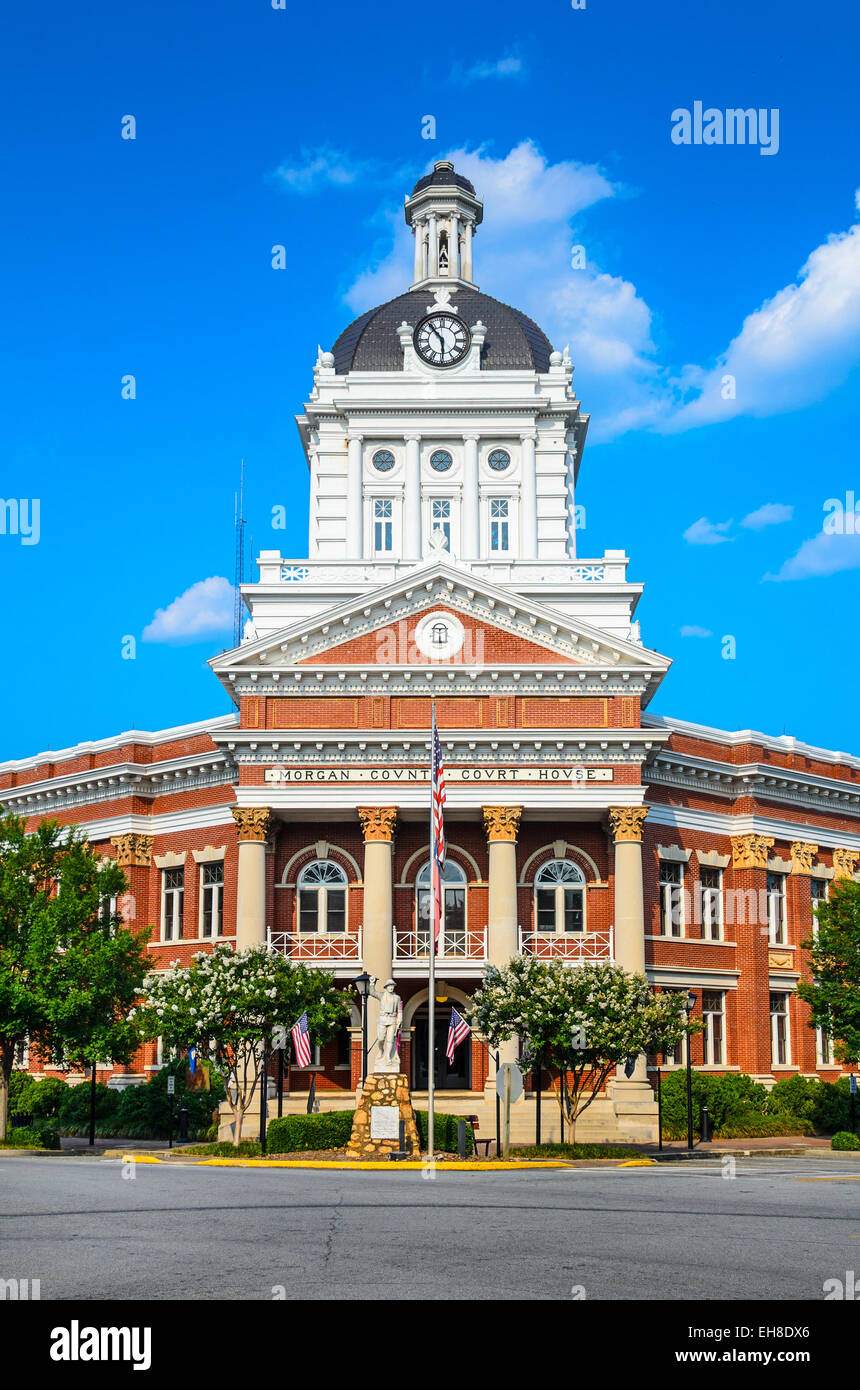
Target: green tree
[[833, 993], [69, 969], [226, 1002], [580, 1023]]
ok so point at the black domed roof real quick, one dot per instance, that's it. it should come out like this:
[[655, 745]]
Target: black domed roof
[[443, 173], [513, 341]]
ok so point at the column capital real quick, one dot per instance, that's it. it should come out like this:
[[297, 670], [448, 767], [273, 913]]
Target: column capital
[[354, 438], [470, 437], [750, 851], [844, 862], [801, 856], [627, 822], [502, 823], [133, 851], [413, 437], [377, 822], [252, 823], [528, 437]]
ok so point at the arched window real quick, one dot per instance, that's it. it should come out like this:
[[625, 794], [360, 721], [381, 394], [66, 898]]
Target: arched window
[[560, 897], [439, 635], [322, 897], [453, 930]]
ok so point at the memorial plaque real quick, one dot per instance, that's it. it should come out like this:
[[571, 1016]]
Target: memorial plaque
[[384, 1122]]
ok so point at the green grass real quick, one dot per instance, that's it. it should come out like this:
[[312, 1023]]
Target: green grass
[[575, 1151], [248, 1148]]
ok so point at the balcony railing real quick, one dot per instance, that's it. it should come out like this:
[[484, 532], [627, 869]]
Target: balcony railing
[[570, 946], [411, 944], [323, 948]]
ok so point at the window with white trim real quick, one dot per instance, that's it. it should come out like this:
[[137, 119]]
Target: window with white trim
[[818, 892], [776, 909], [671, 897], [453, 927], [713, 1034], [212, 899], [560, 897], [322, 897], [172, 903], [440, 518], [383, 525], [780, 1040], [711, 897], [823, 1047], [677, 1056], [499, 524]]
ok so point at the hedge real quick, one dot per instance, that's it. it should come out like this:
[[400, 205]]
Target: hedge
[[330, 1129], [36, 1136], [845, 1140], [741, 1108]]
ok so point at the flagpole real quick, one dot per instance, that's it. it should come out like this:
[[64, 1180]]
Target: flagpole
[[432, 942]]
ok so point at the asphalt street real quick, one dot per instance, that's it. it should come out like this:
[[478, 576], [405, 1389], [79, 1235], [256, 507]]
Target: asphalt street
[[87, 1230]]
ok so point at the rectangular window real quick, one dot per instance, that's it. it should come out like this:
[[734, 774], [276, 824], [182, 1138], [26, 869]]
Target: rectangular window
[[713, 1015], [499, 536], [212, 900], [546, 909], [776, 909], [711, 890], [383, 510], [172, 896], [823, 1047], [780, 1047], [671, 898], [678, 1055], [344, 1046], [309, 910], [818, 891], [440, 518]]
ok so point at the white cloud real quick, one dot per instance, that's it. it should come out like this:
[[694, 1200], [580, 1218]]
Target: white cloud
[[510, 66], [771, 514], [821, 555], [705, 532], [204, 610], [323, 167], [793, 350], [691, 630]]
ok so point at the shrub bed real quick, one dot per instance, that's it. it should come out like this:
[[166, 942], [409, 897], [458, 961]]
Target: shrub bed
[[845, 1140], [330, 1129], [35, 1136], [143, 1111]]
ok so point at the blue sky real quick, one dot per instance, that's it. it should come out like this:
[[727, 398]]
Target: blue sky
[[256, 127]]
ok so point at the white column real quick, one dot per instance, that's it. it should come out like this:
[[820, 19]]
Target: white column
[[252, 823], [377, 823], [433, 249], [468, 273], [412, 499], [626, 824], [528, 513], [454, 246], [502, 824], [354, 507], [425, 253], [471, 517], [417, 232]]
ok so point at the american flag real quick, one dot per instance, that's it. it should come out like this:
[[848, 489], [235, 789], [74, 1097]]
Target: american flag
[[458, 1029], [437, 774], [301, 1041]]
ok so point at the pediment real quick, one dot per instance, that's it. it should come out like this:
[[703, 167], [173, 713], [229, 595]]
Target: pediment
[[501, 629]]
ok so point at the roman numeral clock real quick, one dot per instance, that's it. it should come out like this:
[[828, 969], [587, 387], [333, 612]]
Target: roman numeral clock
[[441, 339]]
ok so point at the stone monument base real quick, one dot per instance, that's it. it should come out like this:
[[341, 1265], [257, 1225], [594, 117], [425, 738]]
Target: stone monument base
[[380, 1104]]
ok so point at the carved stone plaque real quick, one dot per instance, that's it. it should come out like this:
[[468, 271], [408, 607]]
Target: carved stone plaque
[[384, 1122]]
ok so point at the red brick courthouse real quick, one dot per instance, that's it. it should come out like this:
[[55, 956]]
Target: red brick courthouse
[[444, 439]]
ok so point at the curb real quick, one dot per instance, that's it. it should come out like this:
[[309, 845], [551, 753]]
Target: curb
[[353, 1164]]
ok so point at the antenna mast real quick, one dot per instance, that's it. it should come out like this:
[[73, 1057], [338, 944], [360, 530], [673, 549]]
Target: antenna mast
[[239, 559]]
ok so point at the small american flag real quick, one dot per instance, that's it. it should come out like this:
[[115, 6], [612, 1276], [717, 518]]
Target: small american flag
[[437, 775], [301, 1041], [458, 1029]]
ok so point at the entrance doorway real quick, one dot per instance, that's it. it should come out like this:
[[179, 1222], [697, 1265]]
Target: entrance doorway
[[447, 1077]]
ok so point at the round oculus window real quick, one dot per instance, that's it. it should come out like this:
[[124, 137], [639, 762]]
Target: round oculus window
[[441, 460], [499, 460], [383, 460]]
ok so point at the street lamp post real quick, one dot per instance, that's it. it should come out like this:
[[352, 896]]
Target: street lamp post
[[689, 1006], [362, 984]]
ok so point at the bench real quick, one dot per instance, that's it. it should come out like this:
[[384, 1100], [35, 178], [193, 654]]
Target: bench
[[473, 1121]]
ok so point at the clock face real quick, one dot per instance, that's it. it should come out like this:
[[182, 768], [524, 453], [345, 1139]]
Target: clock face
[[441, 339]]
